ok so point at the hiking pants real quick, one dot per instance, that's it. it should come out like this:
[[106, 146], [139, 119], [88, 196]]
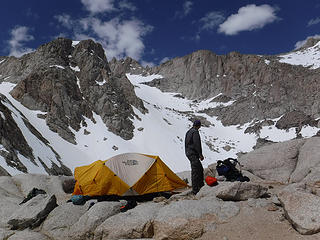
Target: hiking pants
[[196, 173]]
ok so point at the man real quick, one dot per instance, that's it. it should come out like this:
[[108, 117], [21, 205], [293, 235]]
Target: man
[[193, 152]]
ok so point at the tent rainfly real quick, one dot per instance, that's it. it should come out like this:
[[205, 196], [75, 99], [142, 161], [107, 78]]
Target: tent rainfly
[[127, 174]]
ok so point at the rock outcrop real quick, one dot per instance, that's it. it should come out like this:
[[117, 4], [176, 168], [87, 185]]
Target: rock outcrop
[[260, 86], [71, 81]]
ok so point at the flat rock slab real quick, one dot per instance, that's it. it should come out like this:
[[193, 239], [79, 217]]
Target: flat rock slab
[[59, 221], [183, 219], [134, 224], [302, 210], [32, 213], [240, 191], [96, 215]]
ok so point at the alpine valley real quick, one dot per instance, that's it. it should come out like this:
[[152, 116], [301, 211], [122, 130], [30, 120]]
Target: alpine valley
[[65, 105]]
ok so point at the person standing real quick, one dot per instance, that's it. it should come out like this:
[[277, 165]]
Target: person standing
[[193, 151]]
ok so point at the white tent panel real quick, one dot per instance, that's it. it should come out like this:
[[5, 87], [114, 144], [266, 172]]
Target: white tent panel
[[130, 167]]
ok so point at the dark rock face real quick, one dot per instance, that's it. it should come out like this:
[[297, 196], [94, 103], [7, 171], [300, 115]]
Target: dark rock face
[[127, 65], [70, 83], [295, 119], [260, 89]]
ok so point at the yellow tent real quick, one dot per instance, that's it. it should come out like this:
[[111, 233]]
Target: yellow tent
[[126, 174]]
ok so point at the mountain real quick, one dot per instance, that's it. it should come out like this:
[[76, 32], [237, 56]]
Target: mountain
[[66, 105]]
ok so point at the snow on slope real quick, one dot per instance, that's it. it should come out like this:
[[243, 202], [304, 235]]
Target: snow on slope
[[309, 57], [159, 132]]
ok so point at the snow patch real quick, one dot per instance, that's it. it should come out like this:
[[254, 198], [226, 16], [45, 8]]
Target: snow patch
[[101, 83], [2, 116], [76, 68], [309, 57], [75, 43], [57, 66]]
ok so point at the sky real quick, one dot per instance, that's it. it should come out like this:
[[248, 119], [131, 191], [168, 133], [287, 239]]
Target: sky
[[152, 31]]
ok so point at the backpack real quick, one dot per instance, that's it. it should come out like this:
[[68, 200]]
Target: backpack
[[227, 168]]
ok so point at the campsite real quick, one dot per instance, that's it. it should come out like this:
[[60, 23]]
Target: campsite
[[259, 209]]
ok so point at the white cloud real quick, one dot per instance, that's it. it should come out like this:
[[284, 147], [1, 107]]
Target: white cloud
[[186, 9], [19, 35], [164, 60], [299, 44], [65, 20], [127, 5], [119, 38], [314, 21], [248, 18], [98, 6], [211, 20]]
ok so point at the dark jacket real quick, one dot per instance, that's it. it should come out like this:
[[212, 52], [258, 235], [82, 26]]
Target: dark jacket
[[192, 143]]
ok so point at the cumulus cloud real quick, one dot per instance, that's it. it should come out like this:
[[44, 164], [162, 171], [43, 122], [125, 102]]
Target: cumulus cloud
[[19, 35], [121, 38], [211, 20], [314, 21], [299, 44], [98, 6], [248, 18]]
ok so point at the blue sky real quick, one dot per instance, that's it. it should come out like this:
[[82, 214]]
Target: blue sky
[[152, 31]]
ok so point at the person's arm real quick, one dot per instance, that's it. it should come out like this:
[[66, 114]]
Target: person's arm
[[197, 143]]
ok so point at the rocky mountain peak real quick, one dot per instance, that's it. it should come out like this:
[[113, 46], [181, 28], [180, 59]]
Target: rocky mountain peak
[[310, 43], [69, 80], [260, 86]]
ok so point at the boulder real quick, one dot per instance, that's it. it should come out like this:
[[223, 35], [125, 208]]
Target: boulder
[[97, 214], [50, 184], [302, 210], [10, 197], [274, 162], [60, 220], [239, 191], [135, 223], [32, 213], [309, 158], [185, 219]]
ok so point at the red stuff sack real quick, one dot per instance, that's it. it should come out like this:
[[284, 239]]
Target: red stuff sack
[[211, 181]]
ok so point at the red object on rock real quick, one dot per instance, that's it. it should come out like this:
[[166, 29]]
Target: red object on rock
[[211, 181]]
